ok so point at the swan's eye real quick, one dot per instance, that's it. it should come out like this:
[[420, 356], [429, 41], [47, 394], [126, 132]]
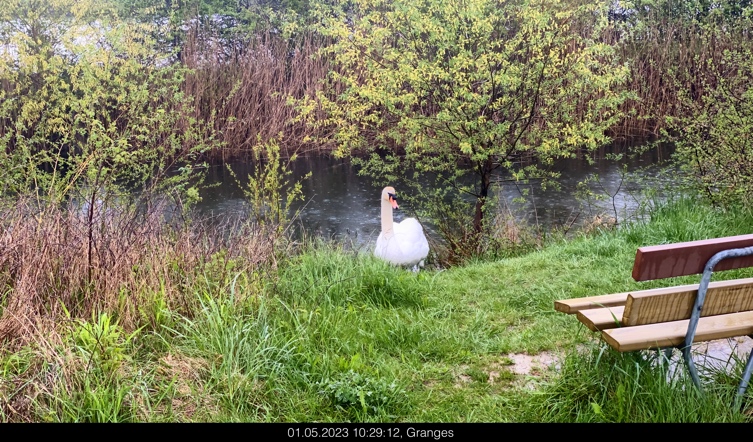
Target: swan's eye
[[392, 196]]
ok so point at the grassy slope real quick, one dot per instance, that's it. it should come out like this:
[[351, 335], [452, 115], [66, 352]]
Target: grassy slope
[[342, 337]]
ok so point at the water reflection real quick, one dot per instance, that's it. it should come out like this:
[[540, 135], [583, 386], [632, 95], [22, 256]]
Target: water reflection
[[620, 184], [339, 202]]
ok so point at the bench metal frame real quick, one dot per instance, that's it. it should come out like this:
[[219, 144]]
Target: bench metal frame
[[696, 315]]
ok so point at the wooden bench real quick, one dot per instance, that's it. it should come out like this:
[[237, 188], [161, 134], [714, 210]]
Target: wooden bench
[[676, 317]]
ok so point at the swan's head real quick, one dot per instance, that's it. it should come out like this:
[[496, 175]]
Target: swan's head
[[388, 194]]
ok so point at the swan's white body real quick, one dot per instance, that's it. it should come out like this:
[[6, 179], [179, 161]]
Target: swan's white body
[[402, 243]]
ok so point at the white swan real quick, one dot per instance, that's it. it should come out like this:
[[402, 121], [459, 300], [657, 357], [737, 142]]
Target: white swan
[[402, 243]]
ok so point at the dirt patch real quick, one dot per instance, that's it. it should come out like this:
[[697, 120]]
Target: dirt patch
[[493, 375], [431, 383], [724, 352], [720, 355], [190, 395], [531, 365], [530, 368], [496, 372], [461, 377]]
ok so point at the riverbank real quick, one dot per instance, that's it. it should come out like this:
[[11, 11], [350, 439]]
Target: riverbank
[[323, 334]]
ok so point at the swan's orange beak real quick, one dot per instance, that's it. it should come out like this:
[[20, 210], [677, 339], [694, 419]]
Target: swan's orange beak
[[393, 201]]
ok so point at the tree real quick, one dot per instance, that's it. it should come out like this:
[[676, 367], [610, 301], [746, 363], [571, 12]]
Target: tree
[[230, 21], [90, 112], [461, 88], [88, 102], [94, 138]]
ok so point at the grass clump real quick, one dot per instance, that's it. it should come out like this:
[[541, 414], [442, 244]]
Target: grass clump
[[598, 384], [333, 277], [683, 218]]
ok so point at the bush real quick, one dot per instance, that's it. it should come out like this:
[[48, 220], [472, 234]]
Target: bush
[[713, 130]]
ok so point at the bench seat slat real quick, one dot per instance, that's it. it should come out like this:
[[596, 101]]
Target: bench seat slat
[[676, 303], [597, 319], [672, 334], [574, 305]]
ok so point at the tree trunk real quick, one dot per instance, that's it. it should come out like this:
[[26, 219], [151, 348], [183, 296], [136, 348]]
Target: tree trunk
[[90, 234], [485, 172]]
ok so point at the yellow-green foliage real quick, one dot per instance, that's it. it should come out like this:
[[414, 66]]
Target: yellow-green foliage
[[269, 189], [88, 99], [101, 342], [433, 84]]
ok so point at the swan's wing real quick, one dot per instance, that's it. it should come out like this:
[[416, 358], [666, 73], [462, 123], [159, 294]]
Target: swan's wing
[[411, 240]]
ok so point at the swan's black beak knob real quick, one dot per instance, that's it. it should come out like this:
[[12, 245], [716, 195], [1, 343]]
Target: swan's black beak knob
[[393, 200]]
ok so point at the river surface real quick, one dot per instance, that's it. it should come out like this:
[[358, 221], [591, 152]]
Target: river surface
[[339, 203]]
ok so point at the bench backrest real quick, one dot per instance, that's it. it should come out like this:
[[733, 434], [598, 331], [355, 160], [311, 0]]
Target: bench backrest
[[688, 258]]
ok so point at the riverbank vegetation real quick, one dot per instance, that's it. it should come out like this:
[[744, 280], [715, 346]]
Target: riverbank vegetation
[[119, 303], [204, 331]]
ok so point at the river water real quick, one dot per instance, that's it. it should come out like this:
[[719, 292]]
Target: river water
[[339, 203]]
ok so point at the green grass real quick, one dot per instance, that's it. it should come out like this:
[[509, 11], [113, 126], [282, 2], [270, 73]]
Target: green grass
[[600, 385], [336, 336]]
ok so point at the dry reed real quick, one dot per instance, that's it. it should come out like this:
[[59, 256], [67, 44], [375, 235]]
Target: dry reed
[[669, 56], [138, 261], [243, 89]]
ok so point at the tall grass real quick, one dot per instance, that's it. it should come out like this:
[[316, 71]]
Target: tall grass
[[137, 270], [244, 349], [669, 50], [322, 277], [682, 218]]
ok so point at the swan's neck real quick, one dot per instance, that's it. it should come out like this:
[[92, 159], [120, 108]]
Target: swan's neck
[[386, 218]]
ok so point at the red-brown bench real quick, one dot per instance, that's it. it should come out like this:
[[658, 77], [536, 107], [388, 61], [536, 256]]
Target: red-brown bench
[[676, 317]]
